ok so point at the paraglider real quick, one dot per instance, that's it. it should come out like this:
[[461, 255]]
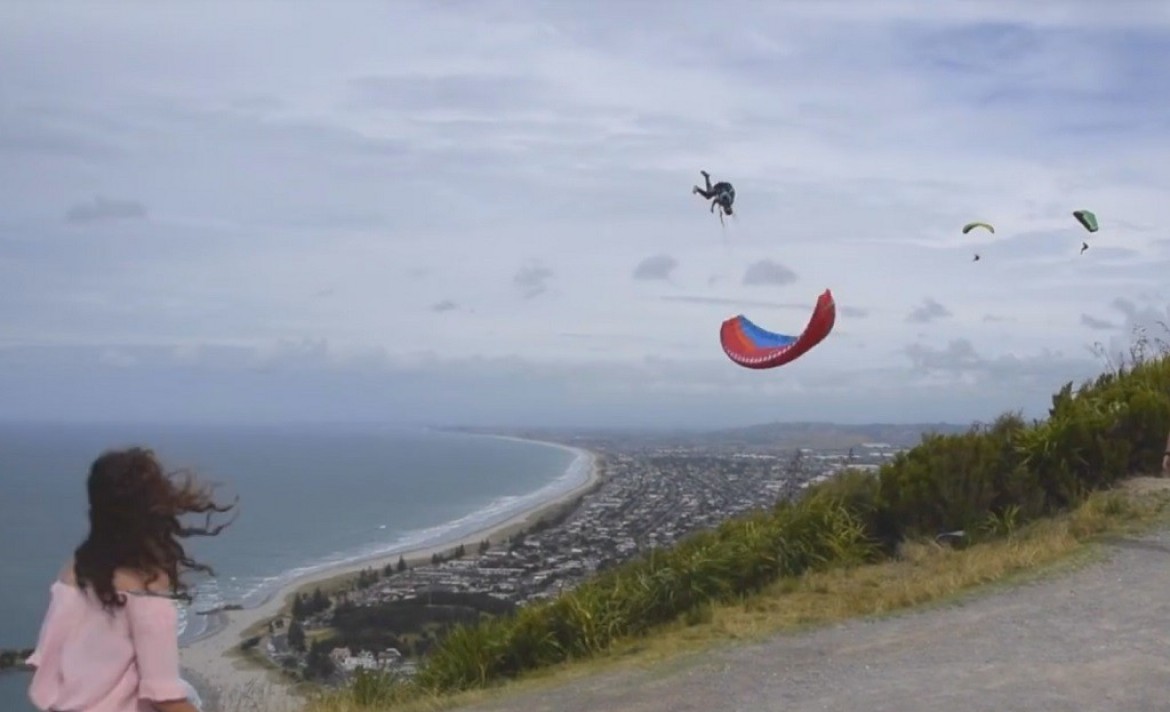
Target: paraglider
[[752, 347], [971, 226], [722, 194], [1087, 219]]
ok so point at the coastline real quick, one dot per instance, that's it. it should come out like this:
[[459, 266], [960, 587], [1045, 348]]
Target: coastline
[[219, 671]]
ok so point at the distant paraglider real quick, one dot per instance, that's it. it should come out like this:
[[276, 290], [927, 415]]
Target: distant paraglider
[[721, 195], [1088, 221], [752, 347], [972, 225]]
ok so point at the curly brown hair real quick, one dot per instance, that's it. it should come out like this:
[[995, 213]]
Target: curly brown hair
[[134, 509]]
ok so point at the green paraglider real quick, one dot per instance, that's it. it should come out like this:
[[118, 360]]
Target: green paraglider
[[971, 226], [1087, 219]]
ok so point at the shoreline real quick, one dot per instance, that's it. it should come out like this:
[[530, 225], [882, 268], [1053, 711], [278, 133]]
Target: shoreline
[[220, 671]]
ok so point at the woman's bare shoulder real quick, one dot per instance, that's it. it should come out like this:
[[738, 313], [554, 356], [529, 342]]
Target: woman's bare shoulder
[[134, 580], [66, 574], [125, 579]]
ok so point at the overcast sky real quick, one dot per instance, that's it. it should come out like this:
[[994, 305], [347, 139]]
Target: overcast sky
[[481, 212]]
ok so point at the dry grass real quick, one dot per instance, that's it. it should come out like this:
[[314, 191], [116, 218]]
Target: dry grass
[[923, 573]]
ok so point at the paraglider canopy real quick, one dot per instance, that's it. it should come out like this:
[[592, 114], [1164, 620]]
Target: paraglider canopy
[[1087, 219], [750, 346], [971, 226]]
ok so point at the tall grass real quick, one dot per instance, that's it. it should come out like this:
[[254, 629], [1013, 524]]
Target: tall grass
[[989, 482], [735, 559]]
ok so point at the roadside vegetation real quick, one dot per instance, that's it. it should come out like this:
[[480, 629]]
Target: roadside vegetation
[[1020, 495]]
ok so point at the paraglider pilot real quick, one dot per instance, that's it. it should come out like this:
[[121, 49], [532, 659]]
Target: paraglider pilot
[[721, 194]]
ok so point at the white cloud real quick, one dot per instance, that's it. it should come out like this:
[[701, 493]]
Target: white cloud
[[655, 267], [532, 280], [311, 181], [105, 209], [928, 311], [767, 272], [1097, 324]]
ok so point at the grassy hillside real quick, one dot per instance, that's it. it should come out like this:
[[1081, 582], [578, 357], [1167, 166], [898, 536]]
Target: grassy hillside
[[989, 481]]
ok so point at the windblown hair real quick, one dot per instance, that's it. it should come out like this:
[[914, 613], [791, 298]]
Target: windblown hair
[[134, 510]]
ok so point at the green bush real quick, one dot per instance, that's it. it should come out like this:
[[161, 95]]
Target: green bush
[[953, 482], [1103, 431]]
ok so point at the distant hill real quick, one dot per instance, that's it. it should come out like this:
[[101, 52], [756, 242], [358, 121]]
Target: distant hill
[[816, 435], [829, 435]]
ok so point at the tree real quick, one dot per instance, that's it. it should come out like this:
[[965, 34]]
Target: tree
[[460, 551], [401, 564], [796, 469], [436, 559], [296, 636], [320, 601], [318, 664], [298, 607], [484, 546]]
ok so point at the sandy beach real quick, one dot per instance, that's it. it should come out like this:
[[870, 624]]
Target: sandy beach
[[229, 682]]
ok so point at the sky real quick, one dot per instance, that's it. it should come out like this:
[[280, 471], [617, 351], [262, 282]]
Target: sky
[[480, 213]]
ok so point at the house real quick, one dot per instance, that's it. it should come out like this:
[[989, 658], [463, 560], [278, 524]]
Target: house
[[389, 657], [278, 646], [364, 660]]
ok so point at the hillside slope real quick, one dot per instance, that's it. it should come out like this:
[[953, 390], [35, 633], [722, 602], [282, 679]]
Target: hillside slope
[[1094, 639]]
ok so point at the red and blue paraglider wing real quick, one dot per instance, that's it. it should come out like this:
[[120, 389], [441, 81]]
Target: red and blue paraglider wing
[[752, 347]]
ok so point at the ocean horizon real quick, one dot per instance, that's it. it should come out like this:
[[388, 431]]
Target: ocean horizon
[[311, 498]]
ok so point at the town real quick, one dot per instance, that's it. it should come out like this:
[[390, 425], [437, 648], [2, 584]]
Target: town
[[648, 497]]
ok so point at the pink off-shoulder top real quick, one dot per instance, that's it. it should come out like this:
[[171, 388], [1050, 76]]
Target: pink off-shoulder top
[[88, 660]]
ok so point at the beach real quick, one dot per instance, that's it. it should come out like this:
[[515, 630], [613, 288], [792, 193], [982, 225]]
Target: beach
[[213, 663]]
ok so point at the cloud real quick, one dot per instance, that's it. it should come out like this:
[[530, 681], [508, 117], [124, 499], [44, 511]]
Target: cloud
[[312, 380], [959, 362], [767, 272], [491, 157], [444, 306], [928, 311], [656, 267], [732, 302], [472, 91], [1098, 324], [105, 209], [1145, 326], [532, 280]]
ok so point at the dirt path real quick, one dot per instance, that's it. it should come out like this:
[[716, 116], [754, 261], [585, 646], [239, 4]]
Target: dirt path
[[1095, 639]]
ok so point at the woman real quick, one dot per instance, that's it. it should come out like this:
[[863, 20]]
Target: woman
[[109, 641]]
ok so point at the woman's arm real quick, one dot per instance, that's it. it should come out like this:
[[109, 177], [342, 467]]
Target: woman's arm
[[154, 628]]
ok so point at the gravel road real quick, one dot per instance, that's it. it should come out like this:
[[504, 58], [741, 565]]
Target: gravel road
[[1097, 638]]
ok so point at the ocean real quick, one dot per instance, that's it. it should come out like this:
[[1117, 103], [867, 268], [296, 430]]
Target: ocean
[[311, 497]]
